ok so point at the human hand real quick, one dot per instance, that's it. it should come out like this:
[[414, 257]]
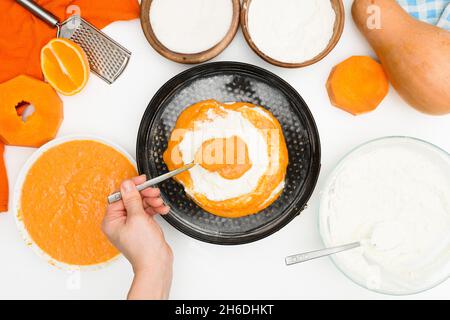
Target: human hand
[[130, 226]]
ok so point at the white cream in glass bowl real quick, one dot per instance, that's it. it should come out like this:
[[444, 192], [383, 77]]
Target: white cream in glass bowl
[[392, 195]]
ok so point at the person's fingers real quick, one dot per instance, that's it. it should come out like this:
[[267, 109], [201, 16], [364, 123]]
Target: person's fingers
[[150, 193], [162, 210], [131, 198], [150, 211], [114, 217], [115, 207], [153, 202], [114, 211], [139, 180], [118, 205]]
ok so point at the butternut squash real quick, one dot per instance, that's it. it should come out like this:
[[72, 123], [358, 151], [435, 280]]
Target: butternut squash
[[40, 127], [415, 55]]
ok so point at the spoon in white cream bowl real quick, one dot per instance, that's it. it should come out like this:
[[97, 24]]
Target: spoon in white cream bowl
[[302, 257], [384, 236]]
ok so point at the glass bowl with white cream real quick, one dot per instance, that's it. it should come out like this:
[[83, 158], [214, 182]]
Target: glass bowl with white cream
[[393, 196]]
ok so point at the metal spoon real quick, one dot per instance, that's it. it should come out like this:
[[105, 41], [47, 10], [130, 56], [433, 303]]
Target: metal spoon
[[149, 183], [384, 236], [302, 257]]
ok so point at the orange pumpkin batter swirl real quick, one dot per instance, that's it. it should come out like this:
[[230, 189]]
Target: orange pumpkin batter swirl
[[240, 153], [63, 200]]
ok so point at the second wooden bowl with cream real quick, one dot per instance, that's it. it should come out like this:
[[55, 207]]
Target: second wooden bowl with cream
[[190, 31], [311, 29]]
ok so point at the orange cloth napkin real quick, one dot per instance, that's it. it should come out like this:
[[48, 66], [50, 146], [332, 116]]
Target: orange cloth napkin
[[3, 182], [22, 35]]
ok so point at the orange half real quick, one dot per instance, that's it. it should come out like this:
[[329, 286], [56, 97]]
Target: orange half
[[65, 66]]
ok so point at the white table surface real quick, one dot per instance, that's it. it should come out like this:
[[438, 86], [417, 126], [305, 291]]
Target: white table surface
[[205, 271]]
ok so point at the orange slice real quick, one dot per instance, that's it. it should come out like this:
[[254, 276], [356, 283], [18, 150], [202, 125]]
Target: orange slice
[[65, 66]]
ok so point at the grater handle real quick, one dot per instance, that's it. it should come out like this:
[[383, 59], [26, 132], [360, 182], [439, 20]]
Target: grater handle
[[39, 12]]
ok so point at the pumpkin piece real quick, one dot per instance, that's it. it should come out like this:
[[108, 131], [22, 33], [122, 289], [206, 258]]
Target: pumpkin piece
[[414, 54], [40, 127], [21, 107], [357, 85], [4, 191]]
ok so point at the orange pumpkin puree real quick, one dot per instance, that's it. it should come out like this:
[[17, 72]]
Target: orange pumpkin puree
[[229, 157], [63, 200], [226, 156]]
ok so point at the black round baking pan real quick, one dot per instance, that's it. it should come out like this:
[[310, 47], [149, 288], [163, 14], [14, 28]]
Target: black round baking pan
[[231, 82]]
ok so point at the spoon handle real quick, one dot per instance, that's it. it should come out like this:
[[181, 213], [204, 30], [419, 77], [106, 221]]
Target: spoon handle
[[149, 183], [302, 257]]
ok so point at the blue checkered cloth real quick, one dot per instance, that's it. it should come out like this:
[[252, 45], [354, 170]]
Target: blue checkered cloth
[[435, 12]]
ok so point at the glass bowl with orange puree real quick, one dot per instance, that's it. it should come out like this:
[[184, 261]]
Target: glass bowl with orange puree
[[60, 199]]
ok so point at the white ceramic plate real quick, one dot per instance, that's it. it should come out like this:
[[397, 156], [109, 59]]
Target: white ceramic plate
[[18, 191]]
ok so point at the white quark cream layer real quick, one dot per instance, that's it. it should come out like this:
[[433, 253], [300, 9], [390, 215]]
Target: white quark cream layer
[[211, 184], [394, 196]]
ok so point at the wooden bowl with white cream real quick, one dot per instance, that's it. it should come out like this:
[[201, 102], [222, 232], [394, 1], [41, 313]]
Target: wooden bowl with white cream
[[295, 34], [190, 32]]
